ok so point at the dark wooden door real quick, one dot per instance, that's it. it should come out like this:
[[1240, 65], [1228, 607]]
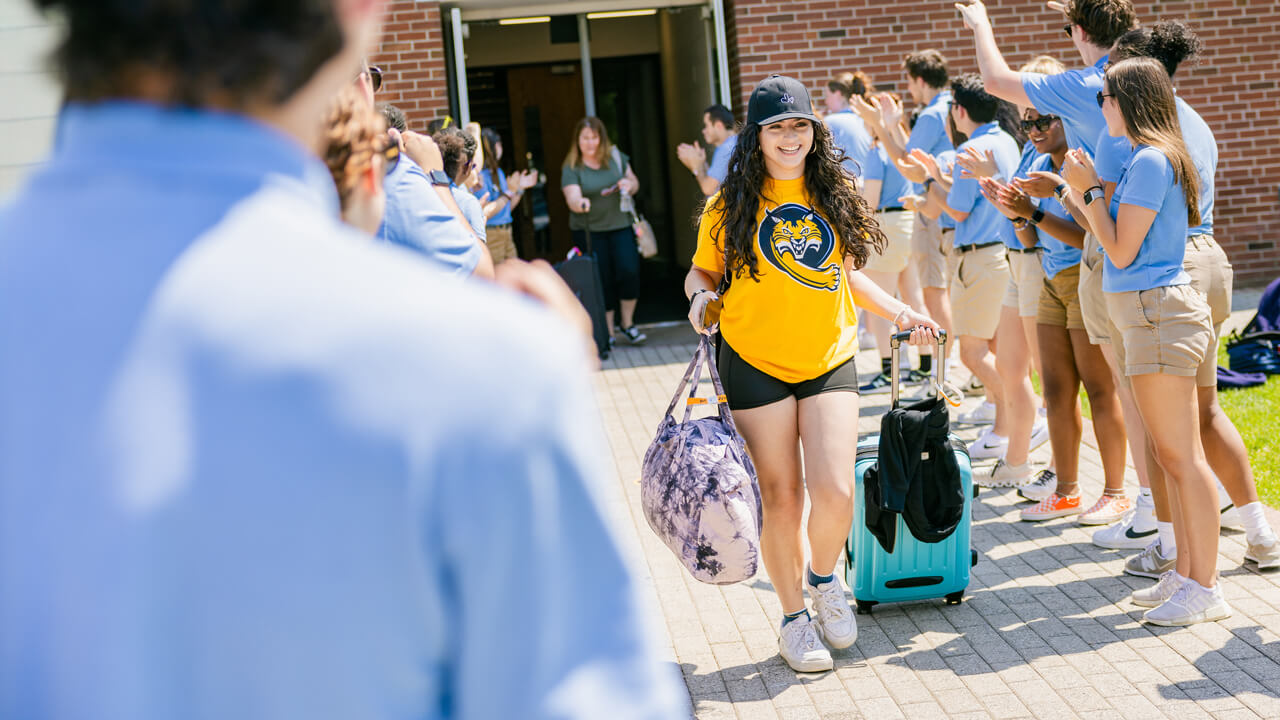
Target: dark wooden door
[[546, 102]]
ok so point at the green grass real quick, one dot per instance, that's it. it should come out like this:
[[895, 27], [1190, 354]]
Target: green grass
[[1256, 413]]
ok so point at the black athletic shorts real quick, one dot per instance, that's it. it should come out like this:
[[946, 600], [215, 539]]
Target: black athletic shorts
[[747, 388]]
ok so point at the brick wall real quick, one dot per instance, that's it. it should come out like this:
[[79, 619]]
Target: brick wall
[[412, 57], [1234, 86]]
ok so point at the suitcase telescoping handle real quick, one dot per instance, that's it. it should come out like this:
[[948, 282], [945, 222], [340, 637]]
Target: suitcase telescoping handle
[[939, 363]]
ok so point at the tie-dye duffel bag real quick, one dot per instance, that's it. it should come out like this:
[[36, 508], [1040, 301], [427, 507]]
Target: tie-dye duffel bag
[[699, 488]]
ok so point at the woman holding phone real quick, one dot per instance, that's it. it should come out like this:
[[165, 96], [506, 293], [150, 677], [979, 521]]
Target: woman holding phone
[[594, 178], [790, 231]]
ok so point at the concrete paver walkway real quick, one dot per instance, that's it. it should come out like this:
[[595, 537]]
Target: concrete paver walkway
[[1046, 629]]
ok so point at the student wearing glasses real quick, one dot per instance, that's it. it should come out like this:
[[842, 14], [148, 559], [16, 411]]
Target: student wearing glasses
[[1163, 325], [1171, 42]]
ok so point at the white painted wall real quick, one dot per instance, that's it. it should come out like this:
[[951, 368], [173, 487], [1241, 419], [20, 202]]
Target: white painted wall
[[29, 93]]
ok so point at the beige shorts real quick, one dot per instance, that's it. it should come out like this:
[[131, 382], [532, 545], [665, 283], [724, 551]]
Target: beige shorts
[[1093, 302], [1211, 274], [1162, 330], [1026, 278], [930, 248], [979, 283], [897, 226], [500, 243], [1060, 300]]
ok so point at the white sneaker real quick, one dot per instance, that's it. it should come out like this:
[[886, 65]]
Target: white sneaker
[[1039, 434], [1190, 604], [1134, 531], [833, 618], [1005, 475], [1045, 484], [982, 414], [1157, 594], [801, 648], [988, 446]]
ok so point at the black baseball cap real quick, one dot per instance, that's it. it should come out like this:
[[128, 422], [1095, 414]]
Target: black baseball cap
[[778, 98]]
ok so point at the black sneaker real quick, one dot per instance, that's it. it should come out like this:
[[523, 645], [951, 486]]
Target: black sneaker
[[633, 335], [879, 384]]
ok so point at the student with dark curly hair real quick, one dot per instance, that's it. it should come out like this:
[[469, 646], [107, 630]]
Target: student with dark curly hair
[[789, 231]]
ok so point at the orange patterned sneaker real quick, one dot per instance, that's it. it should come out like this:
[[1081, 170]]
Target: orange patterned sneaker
[[1054, 506], [1107, 510]]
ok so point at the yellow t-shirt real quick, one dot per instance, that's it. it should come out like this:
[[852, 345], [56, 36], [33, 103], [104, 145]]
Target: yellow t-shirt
[[797, 322]]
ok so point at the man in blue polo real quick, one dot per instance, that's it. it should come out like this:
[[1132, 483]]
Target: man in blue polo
[[981, 275], [255, 466], [848, 132], [719, 132]]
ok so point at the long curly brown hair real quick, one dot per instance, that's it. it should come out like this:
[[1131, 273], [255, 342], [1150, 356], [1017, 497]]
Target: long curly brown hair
[[830, 190], [354, 134]]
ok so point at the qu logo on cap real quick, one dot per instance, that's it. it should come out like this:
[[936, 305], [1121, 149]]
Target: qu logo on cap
[[787, 99], [800, 243]]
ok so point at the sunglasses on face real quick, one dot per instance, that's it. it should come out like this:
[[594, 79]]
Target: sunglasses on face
[[375, 76], [390, 154], [1042, 123], [1067, 29], [1102, 96]]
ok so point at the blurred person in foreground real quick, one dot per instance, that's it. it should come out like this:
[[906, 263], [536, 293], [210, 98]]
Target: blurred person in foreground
[[253, 466]]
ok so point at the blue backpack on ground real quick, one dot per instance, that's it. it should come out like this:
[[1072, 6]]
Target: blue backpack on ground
[[911, 569], [1256, 348]]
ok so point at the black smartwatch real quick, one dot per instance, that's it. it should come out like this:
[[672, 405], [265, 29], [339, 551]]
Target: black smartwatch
[[438, 177], [1036, 217], [1094, 193], [1060, 190], [927, 182]]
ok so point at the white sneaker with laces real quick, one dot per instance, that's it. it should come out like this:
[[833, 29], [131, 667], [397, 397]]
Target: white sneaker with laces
[[1155, 595], [1135, 530], [1004, 475], [1190, 604], [833, 617], [1044, 485], [988, 446], [801, 648], [982, 414]]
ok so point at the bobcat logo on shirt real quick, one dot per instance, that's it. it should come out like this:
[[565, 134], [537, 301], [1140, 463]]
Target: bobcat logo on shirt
[[797, 241]]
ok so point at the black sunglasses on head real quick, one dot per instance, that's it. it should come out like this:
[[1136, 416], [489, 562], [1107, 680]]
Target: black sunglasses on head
[[1042, 123], [1101, 96], [1067, 29]]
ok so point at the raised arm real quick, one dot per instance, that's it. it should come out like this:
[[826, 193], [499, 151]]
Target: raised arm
[[998, 78]]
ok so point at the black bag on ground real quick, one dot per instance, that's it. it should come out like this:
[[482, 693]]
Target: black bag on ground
[[582, 275]]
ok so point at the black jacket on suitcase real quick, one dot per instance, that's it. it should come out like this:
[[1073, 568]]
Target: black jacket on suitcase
[[916, 476]]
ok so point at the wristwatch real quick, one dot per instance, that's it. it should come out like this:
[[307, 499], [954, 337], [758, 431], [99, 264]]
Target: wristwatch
[[1094, 193], [1060, 190], [438, 177], [927, 182], [1020, 223], [1036, 217]]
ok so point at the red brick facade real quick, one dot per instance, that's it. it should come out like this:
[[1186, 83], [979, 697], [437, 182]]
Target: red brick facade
[[1234, 86], [412, 55]]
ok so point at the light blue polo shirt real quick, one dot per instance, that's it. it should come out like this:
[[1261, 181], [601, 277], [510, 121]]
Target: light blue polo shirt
[[471, 208], [1201, 145], [1072, 96], [893, 186], [947, 164], [930, 131], [255, 465], [719, 167], [491, 191], [1029, 157], [850, 134], [1055, 255], [417, 219], [985, 223], [1147, 181]]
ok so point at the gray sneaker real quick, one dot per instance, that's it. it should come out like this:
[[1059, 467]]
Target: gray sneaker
[[1150, 563]]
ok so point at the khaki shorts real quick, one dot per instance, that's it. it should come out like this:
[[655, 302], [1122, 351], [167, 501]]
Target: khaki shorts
[[1164, 330], [929, 252], [1026, 277], [1211, 274], [501, 246], [1060, 300], [1093, 302], [979, 283], [897, 226]]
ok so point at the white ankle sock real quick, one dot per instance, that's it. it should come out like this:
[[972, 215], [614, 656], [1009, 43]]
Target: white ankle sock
[[1168, 545], [1256, 527]]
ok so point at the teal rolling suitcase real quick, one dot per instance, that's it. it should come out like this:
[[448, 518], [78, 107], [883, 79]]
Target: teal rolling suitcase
[[914, 570]]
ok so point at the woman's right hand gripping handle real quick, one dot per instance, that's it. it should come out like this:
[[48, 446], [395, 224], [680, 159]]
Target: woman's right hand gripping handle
[[704, 312]]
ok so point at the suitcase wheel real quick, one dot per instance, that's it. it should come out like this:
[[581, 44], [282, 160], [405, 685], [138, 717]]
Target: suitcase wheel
[[973, 558], [954, 598], [864, 606], [976, 488]]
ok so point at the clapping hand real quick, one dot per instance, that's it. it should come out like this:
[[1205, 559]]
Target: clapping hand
[[691, 156], [868, 109], [1039, 183], [914, 203], [991, 189], [975, 164], [1078, 171], [929, 162], [890, 109], [912, 169]]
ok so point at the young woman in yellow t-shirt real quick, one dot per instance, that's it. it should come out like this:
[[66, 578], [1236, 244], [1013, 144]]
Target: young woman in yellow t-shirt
[[792, 229]]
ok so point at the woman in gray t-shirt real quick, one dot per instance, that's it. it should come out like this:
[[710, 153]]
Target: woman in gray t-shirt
[[594, 178]]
